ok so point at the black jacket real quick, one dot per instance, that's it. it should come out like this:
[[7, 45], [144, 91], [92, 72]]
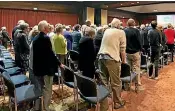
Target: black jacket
[[144, 37], [97, 42], [154, 39], [44, 60], [133, 39], [22, 43], [14, 30], [87, 56]]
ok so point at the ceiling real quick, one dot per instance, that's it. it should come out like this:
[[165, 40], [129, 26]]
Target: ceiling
[[152, 8]]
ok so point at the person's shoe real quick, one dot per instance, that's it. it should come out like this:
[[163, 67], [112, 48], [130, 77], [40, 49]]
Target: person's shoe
[[156, 78], [140, 88], [119, 105]]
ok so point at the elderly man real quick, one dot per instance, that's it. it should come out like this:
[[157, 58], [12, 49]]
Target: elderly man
[[155, 43], [68, 35], [45, 63], [144, 37], [133, 48], [113, 45], [5, 36]]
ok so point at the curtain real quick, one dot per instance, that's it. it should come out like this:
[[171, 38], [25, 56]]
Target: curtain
[[10, 17]]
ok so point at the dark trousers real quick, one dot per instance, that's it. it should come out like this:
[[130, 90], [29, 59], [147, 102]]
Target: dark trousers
[[154, 60], [171, 48]]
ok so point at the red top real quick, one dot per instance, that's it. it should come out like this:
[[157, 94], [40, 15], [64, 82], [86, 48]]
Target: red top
[[170, 34]]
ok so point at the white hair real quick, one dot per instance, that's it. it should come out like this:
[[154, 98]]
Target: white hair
[[142, 26], [115, 22], [35, 27], [21, 22], [3, 28], [42, 25]]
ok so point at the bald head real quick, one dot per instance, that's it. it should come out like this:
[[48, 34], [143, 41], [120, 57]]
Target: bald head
[[131, 22]]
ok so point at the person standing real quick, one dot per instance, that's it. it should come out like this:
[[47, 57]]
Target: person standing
[[68, 35], [144, 37], [76, 36], [170, 34], [87, 53], [5, 37], [155, 42], [112, 48], [60, 44], [45, 63], [22, 46], [133, 49]]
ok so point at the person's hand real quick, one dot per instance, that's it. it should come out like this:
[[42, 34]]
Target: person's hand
[[62, 66]]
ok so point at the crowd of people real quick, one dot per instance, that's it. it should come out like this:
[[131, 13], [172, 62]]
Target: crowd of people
[[43, 48]]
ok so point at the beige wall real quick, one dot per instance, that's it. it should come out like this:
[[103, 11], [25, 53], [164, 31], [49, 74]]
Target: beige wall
[[104, 17], [90, 14]]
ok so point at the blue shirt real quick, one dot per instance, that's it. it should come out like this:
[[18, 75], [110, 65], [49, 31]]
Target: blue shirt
[[68, 37]]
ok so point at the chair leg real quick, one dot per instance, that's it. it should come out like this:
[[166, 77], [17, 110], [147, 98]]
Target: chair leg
[[16, 106], [10, 105], [42, 103], [76, 99]]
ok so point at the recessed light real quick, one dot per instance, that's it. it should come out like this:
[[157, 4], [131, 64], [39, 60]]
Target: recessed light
[[106, 5], [155, 10], [35, 8], [132, 3], [123, 17], [121, 4], [137, 2]]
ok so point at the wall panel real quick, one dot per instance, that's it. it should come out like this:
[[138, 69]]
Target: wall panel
[[9, 18]]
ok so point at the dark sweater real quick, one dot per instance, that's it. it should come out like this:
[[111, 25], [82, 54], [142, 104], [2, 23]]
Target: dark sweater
[[154, 39], [133, 39], [44, 60]]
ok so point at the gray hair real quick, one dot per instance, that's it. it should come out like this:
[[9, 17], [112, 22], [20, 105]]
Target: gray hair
[[23, 26], [115, 22], [3, 28], [42, 25], [142, 26]]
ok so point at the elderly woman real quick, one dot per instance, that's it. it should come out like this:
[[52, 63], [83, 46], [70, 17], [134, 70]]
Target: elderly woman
[[23, 47], [5, 36], [98, 39], [76, 36], [87, 53], [33, 33], [60, 43]]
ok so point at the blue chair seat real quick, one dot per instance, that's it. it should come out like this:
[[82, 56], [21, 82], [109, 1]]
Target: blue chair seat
[[5, 51], [127, 78], [8, 57], [103, 93], [19, 80], [13, 71], [27, 93], [70, 84], [6, 54], [9, 65]]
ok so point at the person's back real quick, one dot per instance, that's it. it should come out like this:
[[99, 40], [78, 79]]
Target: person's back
[[76, 36], [154, 38], [143, 34], [170, 34], [59, 44], [111, 42], [68, 37], [133, 40]]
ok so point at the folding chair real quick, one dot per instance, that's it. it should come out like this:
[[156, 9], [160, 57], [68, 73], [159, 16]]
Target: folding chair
[[73, 60], [90, 91], [26, 93], [127, 76]]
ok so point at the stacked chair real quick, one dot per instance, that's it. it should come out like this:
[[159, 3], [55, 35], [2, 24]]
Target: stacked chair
[[19, 88]]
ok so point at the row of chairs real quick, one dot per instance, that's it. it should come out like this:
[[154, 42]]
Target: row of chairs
[[88, 88], [19, 87]]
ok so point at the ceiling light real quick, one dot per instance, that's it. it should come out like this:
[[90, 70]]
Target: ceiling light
[[35, 8], [106, 5], [137, 2], [123, 17], [132, 3], [121, 4], [155, 10]]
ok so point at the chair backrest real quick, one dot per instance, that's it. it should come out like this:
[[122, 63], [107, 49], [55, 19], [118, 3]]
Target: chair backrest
[[143, 59], [125, 70], [74, 55], [9, 84], [68, 74], [86, 86]]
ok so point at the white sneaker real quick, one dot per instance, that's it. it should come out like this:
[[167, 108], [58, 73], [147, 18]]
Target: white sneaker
[[156, 78]]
